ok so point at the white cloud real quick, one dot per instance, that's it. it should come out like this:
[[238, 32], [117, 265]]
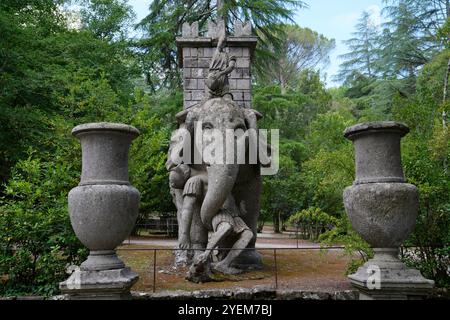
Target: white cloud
[[349, 20], [345, 20]]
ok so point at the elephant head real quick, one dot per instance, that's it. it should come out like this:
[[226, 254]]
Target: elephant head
[[220, 114]]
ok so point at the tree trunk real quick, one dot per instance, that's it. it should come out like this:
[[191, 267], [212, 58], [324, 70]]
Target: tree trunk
[[447, 73], [276, 223]]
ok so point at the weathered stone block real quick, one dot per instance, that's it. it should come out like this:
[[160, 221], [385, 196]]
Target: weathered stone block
[[233, 84], [186, 72], [237, 95], [198, 73], [245, 73], [237, 52], [212, 29], [190, 84], [243, 84], [236, 74], [247, 96], [99, 285], [190, 63], [197, 95], [243, 63], [208, 52], [203, 63], [186, 30], [190, 31]]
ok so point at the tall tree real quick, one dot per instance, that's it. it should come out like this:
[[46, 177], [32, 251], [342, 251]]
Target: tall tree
[[301, 49], [363, 50], [166, 18], [108, 19], [411, 37]]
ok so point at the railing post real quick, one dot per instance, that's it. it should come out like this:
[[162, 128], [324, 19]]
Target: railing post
[[154, 270], [276, 268]]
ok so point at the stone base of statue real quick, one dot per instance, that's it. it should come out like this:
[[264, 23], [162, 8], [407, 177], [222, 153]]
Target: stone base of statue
[[248, 260], [99, 285], [385, 277]]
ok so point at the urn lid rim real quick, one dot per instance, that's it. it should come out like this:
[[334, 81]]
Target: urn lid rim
[[376, 126], [105, 126]]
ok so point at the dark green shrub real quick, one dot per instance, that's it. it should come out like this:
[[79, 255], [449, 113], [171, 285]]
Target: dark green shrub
[[36, 238]]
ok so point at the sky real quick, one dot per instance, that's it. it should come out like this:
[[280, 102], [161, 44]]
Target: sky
[[335, 19]]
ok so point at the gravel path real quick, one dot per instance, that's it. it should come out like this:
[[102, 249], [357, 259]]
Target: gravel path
[[264, 240]]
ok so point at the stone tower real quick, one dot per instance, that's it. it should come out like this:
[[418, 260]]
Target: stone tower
[[195, 50]]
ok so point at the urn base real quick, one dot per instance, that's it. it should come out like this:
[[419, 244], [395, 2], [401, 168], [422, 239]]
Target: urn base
[[385, 277], [99, 285], [102, 260]]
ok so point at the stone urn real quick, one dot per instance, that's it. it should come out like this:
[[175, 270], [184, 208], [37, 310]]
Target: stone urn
[[383, 209], [103, 209]]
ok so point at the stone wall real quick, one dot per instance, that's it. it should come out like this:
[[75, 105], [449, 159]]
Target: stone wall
[[195, 52], [257, 293]]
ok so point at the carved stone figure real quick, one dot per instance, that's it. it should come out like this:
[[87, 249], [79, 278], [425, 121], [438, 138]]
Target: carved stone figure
[[223, 198], [222, 64], [217, 197]]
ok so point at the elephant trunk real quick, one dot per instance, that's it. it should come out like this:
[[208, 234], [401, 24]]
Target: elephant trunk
[[221, 180]]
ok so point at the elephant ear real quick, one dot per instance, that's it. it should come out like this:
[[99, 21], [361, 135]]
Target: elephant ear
[[251, 118], [181, 116]]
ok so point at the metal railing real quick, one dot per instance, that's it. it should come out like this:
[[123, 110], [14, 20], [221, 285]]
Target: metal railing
[[275, 268]]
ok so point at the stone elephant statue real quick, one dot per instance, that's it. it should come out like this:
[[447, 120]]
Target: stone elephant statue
[[240, 181]]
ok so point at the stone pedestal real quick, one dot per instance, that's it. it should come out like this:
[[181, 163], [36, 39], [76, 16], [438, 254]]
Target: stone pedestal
[[112, 284], [103, 210], [385, 277], [383, 209]]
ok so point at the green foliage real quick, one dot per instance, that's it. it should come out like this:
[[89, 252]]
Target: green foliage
[[53, 77], [281, 193], [49, 71], [330, 167], [363, 50], [147, 163], [426, 154], [406, 84], [344, 234], [292, 111], [166, 19], [302, 49], [36, 238], [312, 222], [108, 19]]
